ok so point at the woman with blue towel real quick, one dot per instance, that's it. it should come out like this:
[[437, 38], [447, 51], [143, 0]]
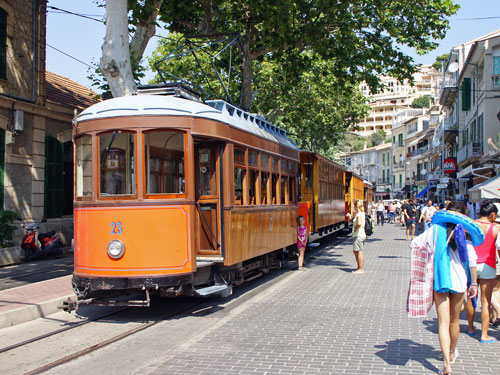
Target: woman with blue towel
[[454, 272]]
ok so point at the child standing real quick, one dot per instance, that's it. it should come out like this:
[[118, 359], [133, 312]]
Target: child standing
[[302, 237]]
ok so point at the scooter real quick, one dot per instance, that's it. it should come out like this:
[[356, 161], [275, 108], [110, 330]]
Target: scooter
[[50, 242]]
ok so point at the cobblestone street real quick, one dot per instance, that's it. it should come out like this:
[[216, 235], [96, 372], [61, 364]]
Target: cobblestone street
[[327, 320]]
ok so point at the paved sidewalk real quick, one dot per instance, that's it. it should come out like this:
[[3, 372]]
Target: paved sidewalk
[[28, 302], [326, 320]]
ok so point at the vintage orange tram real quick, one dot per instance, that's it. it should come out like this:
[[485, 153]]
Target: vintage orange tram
[[176, 196], [179, 197]]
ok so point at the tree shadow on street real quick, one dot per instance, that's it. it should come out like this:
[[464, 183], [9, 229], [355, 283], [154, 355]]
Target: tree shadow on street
[[399, 352]]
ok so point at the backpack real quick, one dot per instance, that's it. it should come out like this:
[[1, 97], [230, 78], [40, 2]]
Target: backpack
[[369, 225]]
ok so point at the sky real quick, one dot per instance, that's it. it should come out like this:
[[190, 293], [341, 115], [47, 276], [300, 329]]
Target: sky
[[81, 38]]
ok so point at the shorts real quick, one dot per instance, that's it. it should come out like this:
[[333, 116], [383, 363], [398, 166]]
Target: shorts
[[486, 272], [359, 242], [410, 221]]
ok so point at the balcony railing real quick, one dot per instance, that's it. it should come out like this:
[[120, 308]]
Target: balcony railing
[[384, 181], [450, 123], [470, 150], [418, 151], [449, 81]]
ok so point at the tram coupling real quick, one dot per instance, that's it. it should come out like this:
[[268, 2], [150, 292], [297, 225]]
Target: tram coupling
[[71, 304]]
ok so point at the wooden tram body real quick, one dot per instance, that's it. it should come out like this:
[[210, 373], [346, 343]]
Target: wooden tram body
[[322, 196], [178, 197], [354, 191]]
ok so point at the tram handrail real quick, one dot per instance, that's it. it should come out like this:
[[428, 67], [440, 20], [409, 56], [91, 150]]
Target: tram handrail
[[208, 225]]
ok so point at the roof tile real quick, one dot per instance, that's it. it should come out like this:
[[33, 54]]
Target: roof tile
[[67, 92]]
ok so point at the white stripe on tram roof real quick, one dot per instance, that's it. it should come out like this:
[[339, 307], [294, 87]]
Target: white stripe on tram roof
[[160, 105]]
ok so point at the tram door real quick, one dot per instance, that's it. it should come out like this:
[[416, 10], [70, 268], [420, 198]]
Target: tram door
[[207, 200]]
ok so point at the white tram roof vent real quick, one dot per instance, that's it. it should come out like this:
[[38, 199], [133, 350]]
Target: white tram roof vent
[[178, 89]]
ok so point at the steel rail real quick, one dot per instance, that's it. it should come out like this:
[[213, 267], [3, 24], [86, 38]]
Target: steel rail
[[49, 334], [111, 340]]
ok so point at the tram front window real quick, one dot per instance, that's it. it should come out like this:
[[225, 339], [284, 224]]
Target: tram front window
[[84, 167], [117, 169], [164, 155]]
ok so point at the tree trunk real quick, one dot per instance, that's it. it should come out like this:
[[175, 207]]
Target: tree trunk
[[115, 61], [144, 31], [246, 76]]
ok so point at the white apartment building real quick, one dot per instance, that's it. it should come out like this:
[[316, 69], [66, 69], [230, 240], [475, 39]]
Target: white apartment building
[[471, 98], [374, 165], [396, 97]]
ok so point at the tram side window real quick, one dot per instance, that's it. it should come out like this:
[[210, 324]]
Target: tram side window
[[84, 167], [274, 189], [117, 159], [252, 184], [238, 185], [164, 157], [291, 189], [264, 177], [309, 181], [283, 190]]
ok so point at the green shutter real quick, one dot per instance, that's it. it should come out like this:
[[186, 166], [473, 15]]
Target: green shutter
[[2, 164], [54, 183], [3, 44], [466, 94]]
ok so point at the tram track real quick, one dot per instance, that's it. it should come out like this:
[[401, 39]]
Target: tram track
[[113, 339], [101, 343], [58, 331]]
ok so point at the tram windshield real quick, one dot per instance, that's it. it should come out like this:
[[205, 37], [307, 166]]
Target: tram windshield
[[164, 154], [117, 175], [84, 167]]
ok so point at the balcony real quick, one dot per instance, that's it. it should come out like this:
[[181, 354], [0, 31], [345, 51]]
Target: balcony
[[470, 152], [449, 90], [398, 165], [383, 181], [432, 177], [418, 151]]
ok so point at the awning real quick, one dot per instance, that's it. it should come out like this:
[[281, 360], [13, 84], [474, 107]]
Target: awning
[[489, 189], [406, 189], [422, 193]]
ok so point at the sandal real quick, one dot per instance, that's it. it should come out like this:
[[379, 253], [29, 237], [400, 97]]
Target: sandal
[[455, 355]]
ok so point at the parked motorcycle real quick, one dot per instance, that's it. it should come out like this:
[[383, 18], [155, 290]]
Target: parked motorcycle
[[50, 242]]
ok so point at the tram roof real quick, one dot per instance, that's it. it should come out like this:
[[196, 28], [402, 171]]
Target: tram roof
[[161, 105]]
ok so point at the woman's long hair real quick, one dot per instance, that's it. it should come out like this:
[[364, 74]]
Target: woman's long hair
[[458, 207]]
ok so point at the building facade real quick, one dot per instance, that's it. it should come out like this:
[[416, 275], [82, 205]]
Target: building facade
[[471, 102], [374, 165], [396, 97], [36, 113]]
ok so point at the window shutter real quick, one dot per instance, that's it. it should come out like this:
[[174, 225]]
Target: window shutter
[[3, 44], [496, 65], [466, 94], [53, 177]]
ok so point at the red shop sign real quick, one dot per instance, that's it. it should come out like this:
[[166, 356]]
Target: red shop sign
[[450, 165]]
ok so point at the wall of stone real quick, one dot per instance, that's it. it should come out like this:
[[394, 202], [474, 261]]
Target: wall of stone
[[21, 57]]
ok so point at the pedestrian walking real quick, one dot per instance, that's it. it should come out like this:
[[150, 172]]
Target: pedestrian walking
[[302, 237], [427, 213], [486, 268], [359, 236], [454, 269], [380, 213], [409, 215]]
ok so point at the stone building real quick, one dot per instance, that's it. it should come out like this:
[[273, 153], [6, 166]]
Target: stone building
[[36, 113]]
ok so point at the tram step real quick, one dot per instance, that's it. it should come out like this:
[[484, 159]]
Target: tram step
[[222, 290]]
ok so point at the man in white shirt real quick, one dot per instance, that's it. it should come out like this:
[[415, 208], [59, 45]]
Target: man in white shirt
[[427, 213], [380, 212]]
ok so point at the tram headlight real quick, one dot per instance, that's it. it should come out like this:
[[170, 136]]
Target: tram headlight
[[116, 248]]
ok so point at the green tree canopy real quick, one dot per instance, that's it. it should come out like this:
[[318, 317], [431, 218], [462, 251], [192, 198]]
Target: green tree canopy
[[362, 38], [423, 101], [440, 61]]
